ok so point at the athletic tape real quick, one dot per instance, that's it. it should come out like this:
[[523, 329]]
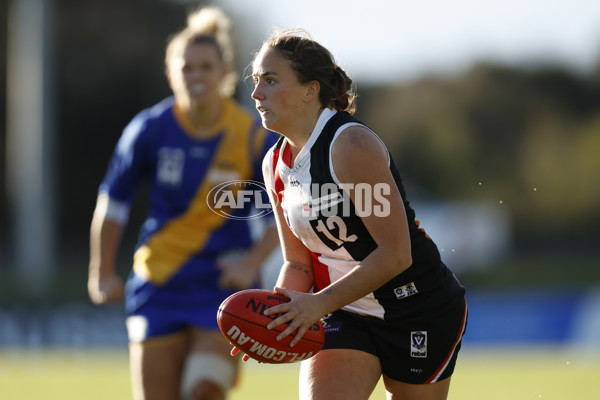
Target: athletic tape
[[207, 367]]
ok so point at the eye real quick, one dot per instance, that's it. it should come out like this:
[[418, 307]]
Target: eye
[[208, 67]]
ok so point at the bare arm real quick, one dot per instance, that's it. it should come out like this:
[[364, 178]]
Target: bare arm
[[104, 285], [359, 157]]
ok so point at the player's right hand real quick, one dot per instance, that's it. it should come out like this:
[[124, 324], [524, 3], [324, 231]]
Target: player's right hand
[[105, 289]]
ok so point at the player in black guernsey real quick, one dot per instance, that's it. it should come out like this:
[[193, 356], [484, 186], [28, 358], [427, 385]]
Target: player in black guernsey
[[354, 254]]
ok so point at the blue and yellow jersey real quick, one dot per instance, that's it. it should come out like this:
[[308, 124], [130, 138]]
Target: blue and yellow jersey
[[182, 237]]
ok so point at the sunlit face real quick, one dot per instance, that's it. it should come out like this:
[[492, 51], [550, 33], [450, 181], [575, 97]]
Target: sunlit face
[[278, 94], [195, 76]]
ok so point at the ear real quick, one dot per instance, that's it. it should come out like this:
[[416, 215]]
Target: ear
[[312, 91], [226, 71]]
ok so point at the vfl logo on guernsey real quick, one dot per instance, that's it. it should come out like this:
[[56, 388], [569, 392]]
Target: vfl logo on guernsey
[[418, 344], [170, 166], [229, 198]]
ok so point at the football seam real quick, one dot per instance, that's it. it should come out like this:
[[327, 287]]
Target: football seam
[[262, 326]]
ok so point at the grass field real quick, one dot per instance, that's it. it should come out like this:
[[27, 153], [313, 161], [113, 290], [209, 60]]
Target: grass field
[[481, 375]]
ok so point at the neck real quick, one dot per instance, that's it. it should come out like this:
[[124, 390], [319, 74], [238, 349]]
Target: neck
[[203, 117], [299, 135]]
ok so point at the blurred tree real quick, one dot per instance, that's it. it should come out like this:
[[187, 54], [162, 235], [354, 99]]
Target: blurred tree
[[527, 139]]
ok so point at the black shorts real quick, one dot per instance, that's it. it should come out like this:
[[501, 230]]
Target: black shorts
[[418, 350]]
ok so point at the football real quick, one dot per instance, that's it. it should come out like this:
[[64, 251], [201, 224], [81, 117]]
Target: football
[[242, 321]]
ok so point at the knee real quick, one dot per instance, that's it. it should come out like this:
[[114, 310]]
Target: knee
[[207, 376]]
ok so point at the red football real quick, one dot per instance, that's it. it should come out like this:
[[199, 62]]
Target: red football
[[241, 320]]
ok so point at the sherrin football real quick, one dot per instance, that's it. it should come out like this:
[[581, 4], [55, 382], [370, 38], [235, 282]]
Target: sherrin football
[[242, 321]]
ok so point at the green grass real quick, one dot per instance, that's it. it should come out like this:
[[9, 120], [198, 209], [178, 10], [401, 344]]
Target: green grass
[[549, 374]]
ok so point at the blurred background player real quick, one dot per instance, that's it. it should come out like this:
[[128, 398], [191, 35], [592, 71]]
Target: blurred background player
[[188, 258], [390, 307]]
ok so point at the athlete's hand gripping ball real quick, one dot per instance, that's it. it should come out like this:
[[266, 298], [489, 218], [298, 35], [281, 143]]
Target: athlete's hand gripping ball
[[242, 320]]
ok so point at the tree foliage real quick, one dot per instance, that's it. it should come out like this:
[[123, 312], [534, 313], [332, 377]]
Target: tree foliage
[[528, 139]]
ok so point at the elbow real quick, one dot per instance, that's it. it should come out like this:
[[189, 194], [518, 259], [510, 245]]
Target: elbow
[[404, 262], [403, 259], [396, 260]]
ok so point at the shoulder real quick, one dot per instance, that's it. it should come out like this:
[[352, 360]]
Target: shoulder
[[153, 114], [357, 141], [157, 112], [144, 123], [358, 152]]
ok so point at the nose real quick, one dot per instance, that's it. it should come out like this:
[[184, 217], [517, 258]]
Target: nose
[[256, 93], [194, 75]]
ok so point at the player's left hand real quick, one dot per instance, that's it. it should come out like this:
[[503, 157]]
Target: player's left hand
[[300, 313], [237, 271], [235, 275], [105, 289]]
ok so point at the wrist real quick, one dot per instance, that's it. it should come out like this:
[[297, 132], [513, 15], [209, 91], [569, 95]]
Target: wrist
[[100, 270], [328, 301]]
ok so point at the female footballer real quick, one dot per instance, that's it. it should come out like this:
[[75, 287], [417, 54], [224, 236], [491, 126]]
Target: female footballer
[[354, 254], [187, 147]]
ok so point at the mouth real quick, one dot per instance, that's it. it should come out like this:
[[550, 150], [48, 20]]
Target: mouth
[[262, 110]]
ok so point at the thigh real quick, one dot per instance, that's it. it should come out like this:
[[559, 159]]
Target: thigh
[[209, 340], [156, 366], [397, 390], [339, 374]]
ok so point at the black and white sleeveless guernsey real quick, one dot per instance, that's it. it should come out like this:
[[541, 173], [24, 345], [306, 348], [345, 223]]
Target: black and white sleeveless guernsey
[[323, 217]]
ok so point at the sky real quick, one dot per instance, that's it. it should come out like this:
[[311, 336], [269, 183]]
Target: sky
[[382, 40]]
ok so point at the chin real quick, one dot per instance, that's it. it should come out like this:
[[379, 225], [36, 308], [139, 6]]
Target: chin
[[272, 128], [266, 123], [269, 124], [198, 98]]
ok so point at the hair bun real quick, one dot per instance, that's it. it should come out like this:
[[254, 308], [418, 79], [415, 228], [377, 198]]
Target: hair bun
[[209, 20]]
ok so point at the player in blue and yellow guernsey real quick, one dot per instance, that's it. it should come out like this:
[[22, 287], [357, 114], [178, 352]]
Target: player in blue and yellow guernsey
[[189, 257]]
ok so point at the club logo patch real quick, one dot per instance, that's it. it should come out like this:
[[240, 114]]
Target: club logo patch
[[406, 290], [418, 344], [170, 166]]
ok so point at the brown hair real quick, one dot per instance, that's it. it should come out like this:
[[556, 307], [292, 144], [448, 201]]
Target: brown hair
[[312, 62], [207, 25]]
